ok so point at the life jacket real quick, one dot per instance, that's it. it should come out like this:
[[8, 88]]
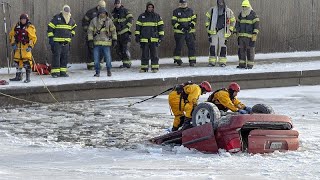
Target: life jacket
[[42, 69], [21, 34]]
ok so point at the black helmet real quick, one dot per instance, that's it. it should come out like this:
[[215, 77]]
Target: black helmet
[[182, 1]]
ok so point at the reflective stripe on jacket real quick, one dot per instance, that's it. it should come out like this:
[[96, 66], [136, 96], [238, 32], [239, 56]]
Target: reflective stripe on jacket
[[92, 13], [183, 17], [60, 30], [149, 27], [107, 32], [122, 19], [246, 26], [212, 17]]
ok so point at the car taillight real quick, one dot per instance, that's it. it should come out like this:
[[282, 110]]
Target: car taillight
[[233, 146]]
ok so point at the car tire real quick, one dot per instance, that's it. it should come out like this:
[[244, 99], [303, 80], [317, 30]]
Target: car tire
[[205, 113], [262, 109]]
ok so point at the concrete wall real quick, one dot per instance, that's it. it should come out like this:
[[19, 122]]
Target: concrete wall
[[286, 25], [148, 87]]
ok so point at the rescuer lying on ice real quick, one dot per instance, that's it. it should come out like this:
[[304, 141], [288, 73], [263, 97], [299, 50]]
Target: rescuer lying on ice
[[226, 99], [22, 39], [183, 99]]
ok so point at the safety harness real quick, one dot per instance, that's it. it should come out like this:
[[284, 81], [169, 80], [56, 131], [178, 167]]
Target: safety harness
[[183, 95]]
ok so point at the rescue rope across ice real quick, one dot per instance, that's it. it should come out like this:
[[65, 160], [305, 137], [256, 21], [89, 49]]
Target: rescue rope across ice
[[7, 95], [45, 86]]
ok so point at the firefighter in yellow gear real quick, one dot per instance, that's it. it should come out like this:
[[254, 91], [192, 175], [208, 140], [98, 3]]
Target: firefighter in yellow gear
[[226, 99], [22, 39], [183, 99]]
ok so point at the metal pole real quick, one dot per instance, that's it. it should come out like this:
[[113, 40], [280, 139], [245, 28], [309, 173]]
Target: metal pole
[[6, 33]]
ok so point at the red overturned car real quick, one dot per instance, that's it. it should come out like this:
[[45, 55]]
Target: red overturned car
[[260, 132]]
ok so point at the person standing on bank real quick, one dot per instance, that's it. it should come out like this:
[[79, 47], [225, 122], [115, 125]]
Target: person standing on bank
[[122, 19], [102, 35], [22, 39], [184, 22], [92, 13], [220, 25], [60, 31], [247, 29], [149, 33]]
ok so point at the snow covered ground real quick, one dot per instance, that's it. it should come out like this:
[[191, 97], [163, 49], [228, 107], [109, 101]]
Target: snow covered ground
[[105, 139], [78, 74]]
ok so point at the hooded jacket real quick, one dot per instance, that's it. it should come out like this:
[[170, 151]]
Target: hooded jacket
[[102, 32], [212, 19], [149, 27]]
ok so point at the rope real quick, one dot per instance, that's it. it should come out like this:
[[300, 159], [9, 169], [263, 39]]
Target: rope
[[7, 95], [45, 86]]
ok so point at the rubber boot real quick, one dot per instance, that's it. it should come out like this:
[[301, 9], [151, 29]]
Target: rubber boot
[[109, 72], [187, 124], [28, 72], [18, 77]]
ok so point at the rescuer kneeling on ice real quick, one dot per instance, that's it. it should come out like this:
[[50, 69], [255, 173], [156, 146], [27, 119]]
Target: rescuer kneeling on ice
[[183, 99], [226, 99]]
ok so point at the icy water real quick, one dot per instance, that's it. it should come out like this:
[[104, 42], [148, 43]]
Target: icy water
[[106, 139]]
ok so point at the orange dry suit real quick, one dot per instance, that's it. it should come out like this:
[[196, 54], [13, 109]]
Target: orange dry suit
[[23, 36], [224, 101], [182, 102]]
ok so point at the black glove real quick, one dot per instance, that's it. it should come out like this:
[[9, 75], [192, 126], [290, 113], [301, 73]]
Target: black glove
[[191, 25], [51, 42], [137, 39], [158, 43], [114, 43], [29, 49], [179, 27], [90, 44], [210, 39]]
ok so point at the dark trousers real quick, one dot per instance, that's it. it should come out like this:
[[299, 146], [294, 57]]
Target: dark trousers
[[60, 57], [190, 41], [246, 52], [122, 48], [149, 50], [90, 53]]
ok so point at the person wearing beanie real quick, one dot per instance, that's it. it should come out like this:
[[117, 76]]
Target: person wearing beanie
[[22, 39], [61, 29], [149, 34], [90, 14], [102, 35], [184, 21], [122, 19], [220, 25], [247, 29]]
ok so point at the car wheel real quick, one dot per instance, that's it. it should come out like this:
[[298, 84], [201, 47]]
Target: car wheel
[[205, 113], [262, 109]]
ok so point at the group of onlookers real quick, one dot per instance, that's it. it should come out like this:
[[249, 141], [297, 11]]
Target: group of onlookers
[[104, 30]]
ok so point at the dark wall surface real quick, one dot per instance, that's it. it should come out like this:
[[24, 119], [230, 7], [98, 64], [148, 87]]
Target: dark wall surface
[[286, 25]]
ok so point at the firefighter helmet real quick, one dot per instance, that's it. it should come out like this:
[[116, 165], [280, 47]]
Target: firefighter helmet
[[206, 86], [234, 86]]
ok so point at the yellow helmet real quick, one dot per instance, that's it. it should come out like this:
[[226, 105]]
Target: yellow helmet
[[246, 3]]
